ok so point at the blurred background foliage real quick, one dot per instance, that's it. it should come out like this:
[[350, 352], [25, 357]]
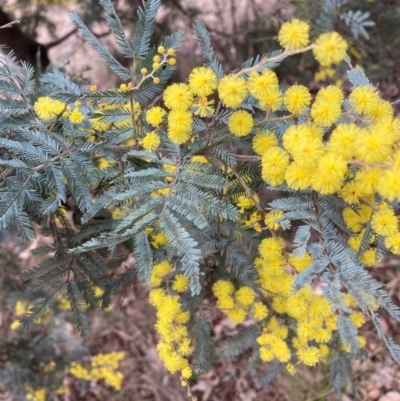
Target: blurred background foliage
[[239, 30], [51, 361]]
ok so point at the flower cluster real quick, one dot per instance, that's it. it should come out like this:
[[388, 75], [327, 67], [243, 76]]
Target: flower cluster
[[102, 367], [174, 346], [238, 303], [332, 144]]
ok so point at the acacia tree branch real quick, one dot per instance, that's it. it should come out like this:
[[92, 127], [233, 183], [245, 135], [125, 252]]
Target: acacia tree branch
[[10, 24], [60, 40]]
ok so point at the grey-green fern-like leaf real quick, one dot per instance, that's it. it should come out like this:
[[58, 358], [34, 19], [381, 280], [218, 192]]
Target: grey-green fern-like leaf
[[112, 62], [143, 256], [204, 350], [115, 24], [187, 248], [78, 308], [145, 26]]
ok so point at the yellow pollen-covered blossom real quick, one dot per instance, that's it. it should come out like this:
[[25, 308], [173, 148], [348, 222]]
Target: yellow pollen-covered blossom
[[369, 257], [180, 283], [298, 176], [38, 394], [351, 192], [308, 151], [274, 163], [294, 134], [291, 369], [372, 147], [222, 288], [260, 311], [342, 140], [358, 318], [297, 98], [232, 90], [300, 263], [363, 98], [244, 203], [357, 220], [326, 109], [178, 97], [159, 271], [273, 347], [384, 222], [76, 117], [158, 240], [329, 174], [271, 100], [151, 141], [237, 315], [202, 81], [330, 48], [294, 34], [271, 248], [155, 116], [260, 84], [245, 296], [226, 303], [240, 123], [389, 184], [187, 373], [309, 356], [330, 94], [263, 141], [156, 297], [380, 110], [179, 126], [20, 308], [392, 242], [46, 107], [369, 180]]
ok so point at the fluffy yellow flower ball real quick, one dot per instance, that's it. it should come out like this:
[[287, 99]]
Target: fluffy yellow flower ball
[[232, 90], [240, 123], [202, 81], [297, 98], [294, 34], [330, 48]]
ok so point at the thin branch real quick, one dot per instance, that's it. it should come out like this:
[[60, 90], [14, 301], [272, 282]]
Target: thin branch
[[248, 158], [10, 24], [367, 166], [266, 60], [273, 120], [52, 160], [62, 39]]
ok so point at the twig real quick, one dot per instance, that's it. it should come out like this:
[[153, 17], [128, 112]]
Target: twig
[[50, 161], [367, 166], [273, 120], [10, 24], [248, 158], [276, 58]]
